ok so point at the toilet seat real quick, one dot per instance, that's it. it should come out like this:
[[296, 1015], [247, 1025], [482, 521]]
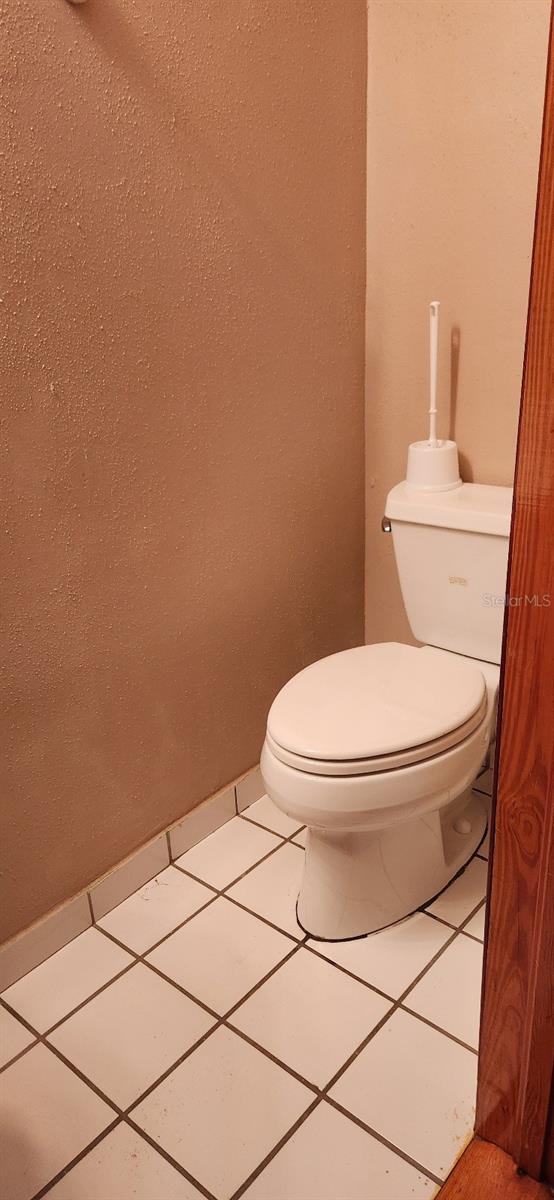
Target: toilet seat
[[389, 762], [375, 708]]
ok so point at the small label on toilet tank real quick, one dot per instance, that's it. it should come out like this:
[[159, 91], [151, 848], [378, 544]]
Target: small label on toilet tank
[[459, 579]]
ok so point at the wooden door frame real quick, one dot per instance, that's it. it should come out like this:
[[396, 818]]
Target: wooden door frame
[[516, 1050]]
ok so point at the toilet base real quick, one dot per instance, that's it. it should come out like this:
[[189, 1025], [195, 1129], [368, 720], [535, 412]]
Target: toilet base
[[357, 883]]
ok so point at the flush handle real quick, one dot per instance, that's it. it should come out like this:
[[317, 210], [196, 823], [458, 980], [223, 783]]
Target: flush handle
[[386, 525]]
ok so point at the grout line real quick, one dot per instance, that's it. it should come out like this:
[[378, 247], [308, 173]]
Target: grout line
[[128, 967], [277, 1062], [24, 1021], [223, 1021], [81, 1075], [457, 928], [286, 837], [20, 1053], [223, 893], [173, 1162], [473, 937], [141, 958], [385, 1142], [137, 957], [149, 949], [219, 1020], [196, 878], [324, 1092], [278, 1146], [371, 986], [412, 1013], [427, 968], [238, 903], [321, 1094], [470, 917], [76, 1159], [398, 1003], [258, 825], [386, 996], [230, 1011], [232, 882], [365, 1042], [441, 920], [88, 891]]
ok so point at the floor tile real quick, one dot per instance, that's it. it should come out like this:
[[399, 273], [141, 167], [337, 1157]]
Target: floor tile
[[243, 1104], [391, 959], [228, 852], [272, 889], [52, 990], [156, 909], [477, 924], [47, 1117], [300, 838], [221, 953], [131, 1033], [310, 1016], [123, 1167], [265, 812], [450, 992], [463, 895], [13, 1037], [416, 1087], [329, 1157]]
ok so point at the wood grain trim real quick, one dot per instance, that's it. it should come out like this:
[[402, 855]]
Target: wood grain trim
[[486, 1173], [516, 1048]]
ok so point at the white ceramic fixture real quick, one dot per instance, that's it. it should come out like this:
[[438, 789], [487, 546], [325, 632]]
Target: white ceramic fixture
[[376, 749]]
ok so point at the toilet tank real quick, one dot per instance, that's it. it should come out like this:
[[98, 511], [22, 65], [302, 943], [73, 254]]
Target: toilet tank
[[451, 552]]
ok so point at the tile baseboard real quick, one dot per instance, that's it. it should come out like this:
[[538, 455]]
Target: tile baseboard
[[128, 876], [249, 789], [50, 933], [41, 939], [201, 821]]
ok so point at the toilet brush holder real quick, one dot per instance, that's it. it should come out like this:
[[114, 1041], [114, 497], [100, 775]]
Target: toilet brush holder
[[433, 466]]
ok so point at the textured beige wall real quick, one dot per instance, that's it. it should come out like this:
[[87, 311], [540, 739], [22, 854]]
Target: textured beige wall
[[183, 234], [455, 98]]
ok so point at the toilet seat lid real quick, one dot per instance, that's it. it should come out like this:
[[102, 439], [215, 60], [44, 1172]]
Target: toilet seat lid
[[374, 700]]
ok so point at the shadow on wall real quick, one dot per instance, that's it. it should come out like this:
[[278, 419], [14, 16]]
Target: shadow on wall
[[466, 470]]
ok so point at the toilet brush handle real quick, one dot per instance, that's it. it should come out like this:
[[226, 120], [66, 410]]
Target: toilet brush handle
[[433, 355]]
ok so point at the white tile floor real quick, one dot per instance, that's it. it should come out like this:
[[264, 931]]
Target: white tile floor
[[195, 1043]]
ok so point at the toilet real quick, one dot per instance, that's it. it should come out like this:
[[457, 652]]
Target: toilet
[[375, 749]]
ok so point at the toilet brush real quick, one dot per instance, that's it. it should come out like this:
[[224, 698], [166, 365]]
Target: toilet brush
[[433, 464]]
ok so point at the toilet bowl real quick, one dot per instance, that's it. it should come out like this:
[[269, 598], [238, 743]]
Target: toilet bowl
[[375, 750]]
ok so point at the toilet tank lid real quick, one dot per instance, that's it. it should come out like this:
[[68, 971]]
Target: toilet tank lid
[[473, 507]]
